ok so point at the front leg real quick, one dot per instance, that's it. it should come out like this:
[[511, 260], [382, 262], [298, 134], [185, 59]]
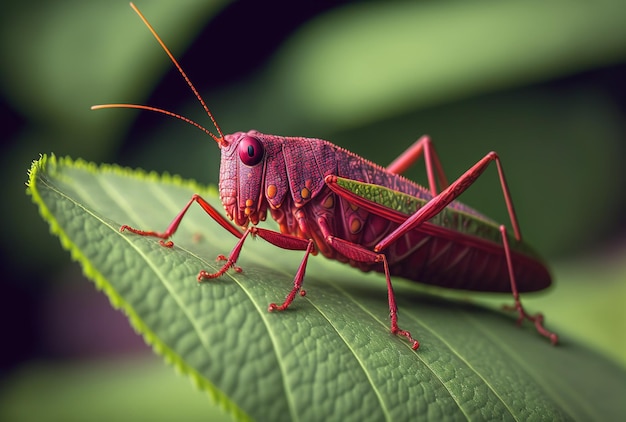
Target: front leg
[[173, 226], [287, 241], [283, 241]]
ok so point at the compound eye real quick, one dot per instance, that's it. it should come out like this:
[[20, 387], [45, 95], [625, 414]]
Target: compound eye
[[251, 151]]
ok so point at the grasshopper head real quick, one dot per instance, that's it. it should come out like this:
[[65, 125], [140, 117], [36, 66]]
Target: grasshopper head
[[242, 172]]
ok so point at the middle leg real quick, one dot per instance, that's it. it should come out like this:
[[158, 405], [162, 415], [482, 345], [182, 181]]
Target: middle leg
[[359, 253]]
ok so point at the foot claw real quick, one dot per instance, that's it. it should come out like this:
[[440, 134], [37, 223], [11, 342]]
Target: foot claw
[[163, 236], [225, 267], [414, 343], [273, 307], [554, 339], [202, 275], [536, 319]]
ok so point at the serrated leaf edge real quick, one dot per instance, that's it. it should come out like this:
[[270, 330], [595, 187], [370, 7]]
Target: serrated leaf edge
[[44, 163]]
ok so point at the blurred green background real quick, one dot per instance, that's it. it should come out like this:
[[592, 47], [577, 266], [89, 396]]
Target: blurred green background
[[544, 84]]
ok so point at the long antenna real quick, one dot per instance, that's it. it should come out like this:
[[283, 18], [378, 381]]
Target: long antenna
[[159, 110], [220, 140]]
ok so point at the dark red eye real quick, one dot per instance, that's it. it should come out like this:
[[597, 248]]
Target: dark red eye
[[251, 151]]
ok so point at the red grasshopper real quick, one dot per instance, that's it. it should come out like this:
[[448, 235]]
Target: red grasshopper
[[330, 200]]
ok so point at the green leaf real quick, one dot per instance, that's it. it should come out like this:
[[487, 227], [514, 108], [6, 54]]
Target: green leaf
[[331, 354]]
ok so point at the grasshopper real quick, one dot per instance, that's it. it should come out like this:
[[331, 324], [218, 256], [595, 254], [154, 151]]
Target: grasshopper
[[329, 200]]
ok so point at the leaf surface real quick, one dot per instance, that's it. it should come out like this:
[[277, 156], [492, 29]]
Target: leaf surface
[[331, 354]]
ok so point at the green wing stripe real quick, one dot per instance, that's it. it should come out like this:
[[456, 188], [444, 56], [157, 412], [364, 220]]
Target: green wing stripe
[[450, 218], [388, 198]]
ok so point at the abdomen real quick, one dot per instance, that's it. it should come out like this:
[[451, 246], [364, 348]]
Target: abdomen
[[432, 254]]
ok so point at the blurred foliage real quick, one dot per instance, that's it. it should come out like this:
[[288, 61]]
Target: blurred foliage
[[120, 390], [542, 84]]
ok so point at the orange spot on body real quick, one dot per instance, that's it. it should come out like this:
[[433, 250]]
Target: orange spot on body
[[355, 226], [328, 202], [271, 191], [305, 193]]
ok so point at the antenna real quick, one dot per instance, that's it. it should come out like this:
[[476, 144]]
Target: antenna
[[220, 140]]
